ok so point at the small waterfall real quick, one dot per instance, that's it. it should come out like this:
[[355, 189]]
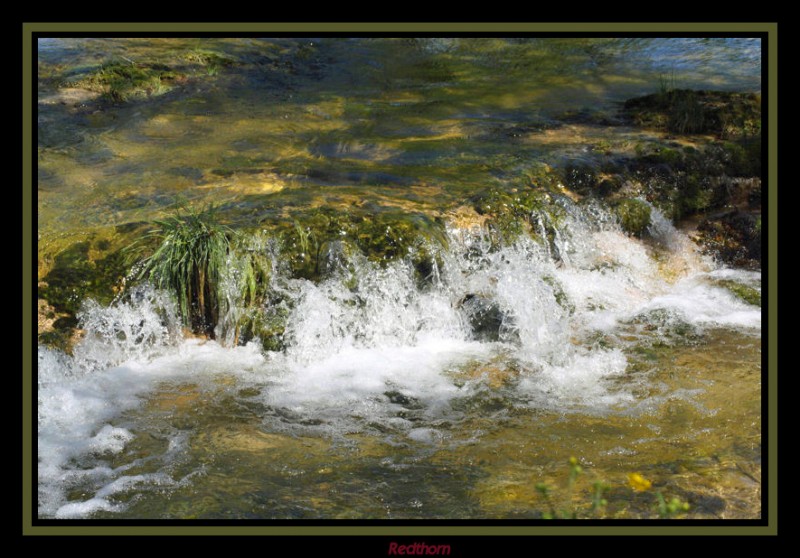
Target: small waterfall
[[375, 347]]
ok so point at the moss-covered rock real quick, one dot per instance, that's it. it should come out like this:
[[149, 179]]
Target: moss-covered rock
[[309, 236], [78, 273], [685, 111], [541, 176], [581, 178], [743, 292], [633, 215], [267, 324], [512, 213], [122, 80], [733, 238], [88, 269], [55, 329], [210, 60], [686, 180]]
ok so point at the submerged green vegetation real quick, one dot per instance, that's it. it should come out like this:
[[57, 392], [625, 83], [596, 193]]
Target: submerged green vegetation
[[564, 503], [746, 293], [125, 79], [634, 216], [122, 80], [685, 111]]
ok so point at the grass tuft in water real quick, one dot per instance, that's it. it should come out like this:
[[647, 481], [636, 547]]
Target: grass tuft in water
[[193, 248]]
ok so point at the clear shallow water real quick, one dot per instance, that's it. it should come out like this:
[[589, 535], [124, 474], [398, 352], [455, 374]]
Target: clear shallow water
[[389, 401], [402, 124]]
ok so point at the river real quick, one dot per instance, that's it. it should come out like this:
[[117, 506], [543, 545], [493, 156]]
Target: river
[[391, 396]]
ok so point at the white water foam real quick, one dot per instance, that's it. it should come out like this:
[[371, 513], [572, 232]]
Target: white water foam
[[700, 303], [79, 399], [373, 349]]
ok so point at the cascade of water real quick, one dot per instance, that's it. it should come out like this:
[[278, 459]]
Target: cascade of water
[[371, 348]]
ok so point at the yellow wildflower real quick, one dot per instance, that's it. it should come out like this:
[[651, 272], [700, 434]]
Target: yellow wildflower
[[638, 482]]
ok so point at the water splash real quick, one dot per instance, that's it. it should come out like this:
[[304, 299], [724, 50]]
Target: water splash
[[372, 349], [138, 328]]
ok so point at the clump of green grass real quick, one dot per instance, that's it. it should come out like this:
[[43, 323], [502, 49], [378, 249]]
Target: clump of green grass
[[667, 83], [192, 251], [246, 288]]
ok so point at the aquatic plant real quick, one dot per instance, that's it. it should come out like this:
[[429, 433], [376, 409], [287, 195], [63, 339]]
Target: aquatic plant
[[245, 289], [121, 80], [687, 111], [512, 214], [546, 491], [665, 507], [193, 248], [667, 82], [210, 60], [745, 293]]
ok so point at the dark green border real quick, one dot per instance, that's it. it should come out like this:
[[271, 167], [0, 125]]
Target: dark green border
[[771, 29]]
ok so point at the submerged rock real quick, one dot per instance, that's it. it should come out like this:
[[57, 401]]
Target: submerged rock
[[485, 317], [685, 111], [91, 269], [745, 293]]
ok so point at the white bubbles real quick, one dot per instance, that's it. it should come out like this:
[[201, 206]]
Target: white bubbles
[[110, 439], [700, 303], [583, 379], [53, 366], [102, 499], [78, 510], [377, 349], [79, 402], [384, 308], [77, 434], [139, 328], [349, 344]]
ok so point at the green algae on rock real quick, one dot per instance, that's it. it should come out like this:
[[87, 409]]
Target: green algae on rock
[[124, 79], [634, 216], [510, 214], [746, 293], [734, 237], [685, 111]]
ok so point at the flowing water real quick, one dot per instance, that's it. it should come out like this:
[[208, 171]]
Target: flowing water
[[394, 398]]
